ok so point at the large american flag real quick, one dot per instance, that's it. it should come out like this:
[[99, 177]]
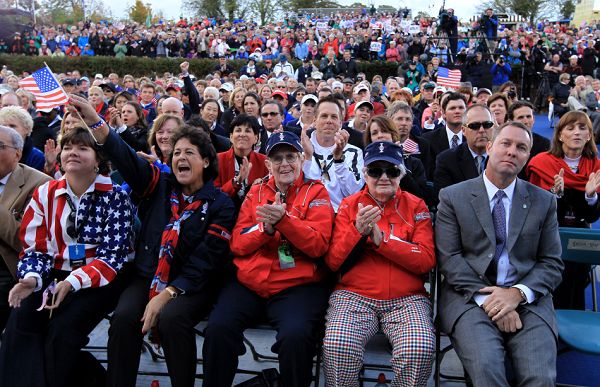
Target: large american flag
[[448, 78], [48, 93]]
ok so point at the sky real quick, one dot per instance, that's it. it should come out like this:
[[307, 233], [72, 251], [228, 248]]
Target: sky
[[464, 9]]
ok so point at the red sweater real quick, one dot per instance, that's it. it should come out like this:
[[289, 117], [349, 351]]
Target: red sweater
[[395, 268], [227, 170], [307, 226]]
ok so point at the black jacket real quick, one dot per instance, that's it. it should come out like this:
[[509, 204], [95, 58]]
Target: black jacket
[[200, 255], [347, 69], [453, 166]]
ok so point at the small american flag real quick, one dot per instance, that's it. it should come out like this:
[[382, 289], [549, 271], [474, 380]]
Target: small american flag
[[410, 147], [48, 93], [448, 78]]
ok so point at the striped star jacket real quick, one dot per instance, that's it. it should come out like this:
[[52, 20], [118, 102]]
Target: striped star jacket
[[103, 220]]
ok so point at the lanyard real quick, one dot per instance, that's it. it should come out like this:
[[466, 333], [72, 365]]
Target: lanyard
[[79, 225]]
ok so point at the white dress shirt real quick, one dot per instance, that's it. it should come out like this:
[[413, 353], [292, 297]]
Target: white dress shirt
[[507, 275]]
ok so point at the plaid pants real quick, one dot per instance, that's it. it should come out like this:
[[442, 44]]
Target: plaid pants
[[353, 319]]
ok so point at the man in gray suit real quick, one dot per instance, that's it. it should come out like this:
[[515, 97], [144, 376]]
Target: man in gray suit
[[499, 252], [17, 183]]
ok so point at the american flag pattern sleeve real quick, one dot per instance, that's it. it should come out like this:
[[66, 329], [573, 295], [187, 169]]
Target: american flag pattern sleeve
[[106, 234]]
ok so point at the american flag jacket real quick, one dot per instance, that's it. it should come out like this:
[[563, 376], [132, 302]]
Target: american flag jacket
[[105, 216]]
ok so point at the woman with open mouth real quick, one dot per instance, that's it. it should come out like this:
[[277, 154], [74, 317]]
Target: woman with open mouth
[[176, 277]]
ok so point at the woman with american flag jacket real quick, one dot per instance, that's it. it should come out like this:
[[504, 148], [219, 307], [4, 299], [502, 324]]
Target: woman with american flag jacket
[[76, 231]]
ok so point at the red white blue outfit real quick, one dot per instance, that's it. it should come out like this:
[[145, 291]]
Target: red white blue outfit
[[88, 249]]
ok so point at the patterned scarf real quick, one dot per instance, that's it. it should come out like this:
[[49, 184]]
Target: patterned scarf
[[168, 242]]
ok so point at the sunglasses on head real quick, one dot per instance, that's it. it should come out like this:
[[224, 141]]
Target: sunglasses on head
[[272, 114], [377, 172], [478, 125]]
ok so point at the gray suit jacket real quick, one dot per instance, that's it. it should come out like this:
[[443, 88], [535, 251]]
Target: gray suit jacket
[[465, 244], [15, 197]]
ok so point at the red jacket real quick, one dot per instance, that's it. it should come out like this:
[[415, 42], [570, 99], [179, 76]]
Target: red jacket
[[307, 226], [227, 170], [333, 44], [395, 268]]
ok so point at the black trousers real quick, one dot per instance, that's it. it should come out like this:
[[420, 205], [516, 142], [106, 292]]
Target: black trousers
[[296, 313], [175, 327], [6, 284], [41, 351]]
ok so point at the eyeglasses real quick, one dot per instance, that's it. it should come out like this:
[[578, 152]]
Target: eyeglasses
[[278, 159], [377, 172], [272, 114], [478, 125], [3, 146]]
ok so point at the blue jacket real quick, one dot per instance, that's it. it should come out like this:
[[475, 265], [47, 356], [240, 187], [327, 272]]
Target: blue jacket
[[301, 50], [32, 156], [501, 74]]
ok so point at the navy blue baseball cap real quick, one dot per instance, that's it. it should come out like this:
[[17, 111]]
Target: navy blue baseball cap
[[383, 151], [283, 138]]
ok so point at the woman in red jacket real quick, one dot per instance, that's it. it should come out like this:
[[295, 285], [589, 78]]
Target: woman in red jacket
[[240, 166], [382, 246], [283, 229]]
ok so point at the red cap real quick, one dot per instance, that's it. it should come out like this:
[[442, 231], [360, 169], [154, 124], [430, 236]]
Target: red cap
[[280, 93]]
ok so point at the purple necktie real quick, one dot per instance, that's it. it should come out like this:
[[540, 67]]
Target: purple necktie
[[499, 218]]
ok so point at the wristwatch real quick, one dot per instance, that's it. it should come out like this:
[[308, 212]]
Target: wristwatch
[[172, 292], [341, 160], [523, 296]]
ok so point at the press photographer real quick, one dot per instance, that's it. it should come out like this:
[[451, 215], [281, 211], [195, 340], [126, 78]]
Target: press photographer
[[489, 25], [448, 25]]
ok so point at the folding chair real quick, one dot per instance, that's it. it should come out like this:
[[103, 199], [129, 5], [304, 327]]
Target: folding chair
[[580, 330]]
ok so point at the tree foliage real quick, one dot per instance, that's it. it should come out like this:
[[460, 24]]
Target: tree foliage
[[210, 8], [264, 10], [297, 4], [138, 12], [70, 11], [567, 8], [532, 10]]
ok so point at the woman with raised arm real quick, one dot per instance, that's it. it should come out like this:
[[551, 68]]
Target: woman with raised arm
[[176, 276]]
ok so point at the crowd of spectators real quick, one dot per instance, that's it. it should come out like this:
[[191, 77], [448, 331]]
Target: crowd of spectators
[[261, 183]]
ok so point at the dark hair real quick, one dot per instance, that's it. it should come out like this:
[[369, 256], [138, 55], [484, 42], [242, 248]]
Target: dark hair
[[330, 99], [570, 118], [197, 122], [125, 94], [253, 96], [518, 105], [385, 124], [141, 122], [201, 140], [499, 96], [273, 102], [453, 96], [81, 136], [245, 119]]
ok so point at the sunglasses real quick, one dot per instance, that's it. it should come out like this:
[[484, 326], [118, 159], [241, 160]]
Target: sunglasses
[[377, 172], [272, 114], [71, 230], [478, 125]]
